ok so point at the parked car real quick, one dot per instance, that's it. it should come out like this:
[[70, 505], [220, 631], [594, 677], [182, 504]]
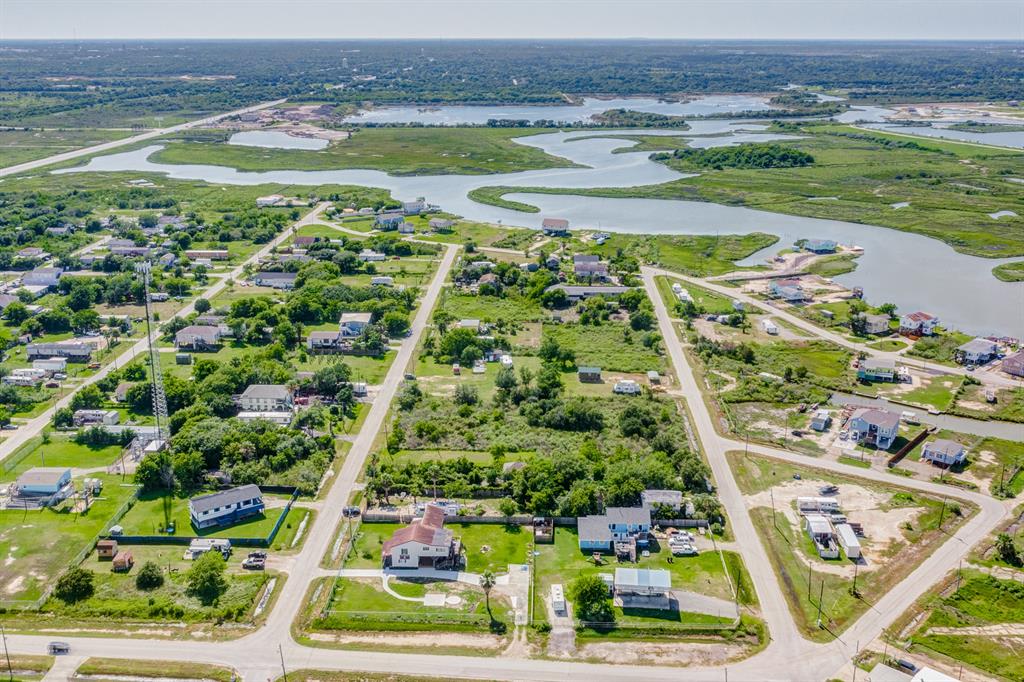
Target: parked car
[[258, 554], [350, 511], [254, 564], [828, 490]]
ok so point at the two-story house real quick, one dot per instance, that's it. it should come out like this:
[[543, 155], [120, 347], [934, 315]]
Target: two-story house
[[266, 398], [599, 533], [872, 426], [424, 542], [225, 507], [353, 324], [918, 324]]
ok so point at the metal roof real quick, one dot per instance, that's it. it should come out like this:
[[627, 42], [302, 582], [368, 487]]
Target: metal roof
[[225, 498], [42, 476], [271, 391], [657, 578]]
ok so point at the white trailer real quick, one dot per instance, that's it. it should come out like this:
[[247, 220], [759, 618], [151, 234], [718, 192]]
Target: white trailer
[[557, 599], [848, 540]]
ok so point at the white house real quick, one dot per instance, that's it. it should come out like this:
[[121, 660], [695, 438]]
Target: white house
[[424, 542], [626, 387], [876, 324], [820, 530], [270, 200], [643, 582], [324, 340], [788, 290], [225, 507], [383, 281], [944, 451], [353, 324], [976, 351], [277, 280], [266, 398], [279, 418], [918, 323], [368, 255], [96, 417], [197, 336]]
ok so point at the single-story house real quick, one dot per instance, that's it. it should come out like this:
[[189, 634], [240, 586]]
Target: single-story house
[[1014, 364], [821, 245], [666, 498], [787, 289], [73, 352], [944, 451], [132, 251], [266, 398], [324, 340], [208, 254], [591, 269], [618, 524], [555, 227], [424, 542], [96, 417], [821, 420], [976, 351], [225, 507], [876, 324], [469, 324], [51, 365], [578, 293], [197, 336], [440, 224], [589, 375], [32, 252], [876, 369], [626, 387], [368, 255], [918, 323], [353, 324], [43, 481], [121, 392], [269, 200], [277, 280], [383, 281], [872, 426], [820, 530], [643, 582]]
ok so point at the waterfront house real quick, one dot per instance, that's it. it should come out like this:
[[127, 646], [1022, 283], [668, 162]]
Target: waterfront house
[[873, 426], [876, 369], [555, 227], [976, 351], [1014, 364], [944, 451], [918, 324], [876, 324]]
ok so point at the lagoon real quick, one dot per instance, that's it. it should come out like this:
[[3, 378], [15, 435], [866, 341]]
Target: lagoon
[[276, 139], [910, 270]]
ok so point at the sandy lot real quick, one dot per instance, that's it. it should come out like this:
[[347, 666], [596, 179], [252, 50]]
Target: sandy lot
[[423, 639], [676, 653], [860, 504]]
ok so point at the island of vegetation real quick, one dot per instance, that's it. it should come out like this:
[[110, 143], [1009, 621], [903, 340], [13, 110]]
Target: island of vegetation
[[742, 156]]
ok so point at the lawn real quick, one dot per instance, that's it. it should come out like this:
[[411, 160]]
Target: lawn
[[439, 379], [36, 546], [98, 667], [706, 301], [981, 601], [936, 392], [484, 234], [888, 345], [698, 255], [397, 151], [117, 597], [490, 309], [152, 513], [366, 368], [59, 452], [488, 547], [611, 346]]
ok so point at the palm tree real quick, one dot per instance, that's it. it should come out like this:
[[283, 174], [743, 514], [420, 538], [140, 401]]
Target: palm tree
[[486, 583]]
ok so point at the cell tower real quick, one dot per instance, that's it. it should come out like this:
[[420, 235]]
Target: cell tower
[[159, 397]]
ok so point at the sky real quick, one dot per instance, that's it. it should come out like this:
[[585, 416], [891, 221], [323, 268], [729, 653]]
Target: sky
[[656, 19]]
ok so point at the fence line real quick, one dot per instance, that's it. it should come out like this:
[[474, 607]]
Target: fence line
[[519, 520], [19, 455]]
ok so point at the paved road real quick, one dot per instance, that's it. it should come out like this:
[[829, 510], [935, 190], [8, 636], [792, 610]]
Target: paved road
[[787, 657], [33, 427], [797, 321], [107, 146]]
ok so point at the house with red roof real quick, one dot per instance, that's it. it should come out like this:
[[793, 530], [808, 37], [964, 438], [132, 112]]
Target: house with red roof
[[424, 543]]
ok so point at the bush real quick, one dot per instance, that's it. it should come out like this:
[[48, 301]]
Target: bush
[[508, 507], [206, 577], [75, 584], [150, 577], [590, 599]]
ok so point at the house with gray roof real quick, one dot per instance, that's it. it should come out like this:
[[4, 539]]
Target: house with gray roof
[[617, 524], [872, 426], [944, 451], [198, 337], [266, 398], [225, 507], [976, 352]]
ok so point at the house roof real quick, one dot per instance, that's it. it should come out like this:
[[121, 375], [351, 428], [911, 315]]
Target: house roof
[[225, 497], [878, 363], [555, 223], [593, 529], [787, 282], [355, 317], [203, 331], [428, 530], [282, 276], [42, 476], [586, 258], [877, 318], [978, 346], [590, 290], [657, 578], [920, 316], [1015, 360], [944, 446], [269, 391], [588, 370], [669, 497], [876, 417], [324, 335], [818, 524], [628, 515]]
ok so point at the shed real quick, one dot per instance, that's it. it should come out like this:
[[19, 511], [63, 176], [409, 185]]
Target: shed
[[123, 562], [642, 581], [106, 549], [653, 376], [589, 374]]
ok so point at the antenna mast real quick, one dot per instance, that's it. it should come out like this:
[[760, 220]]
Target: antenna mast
[[157, 376]]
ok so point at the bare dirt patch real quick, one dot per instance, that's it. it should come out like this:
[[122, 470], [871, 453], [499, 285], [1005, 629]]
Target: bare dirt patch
[[675, 653], [424, 639]]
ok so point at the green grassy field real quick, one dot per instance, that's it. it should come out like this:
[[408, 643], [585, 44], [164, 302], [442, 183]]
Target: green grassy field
[[153, 513], [705, 300], [606, 346], [698, 255], [61, 452], [19, 146], [491, 309], [398, 151], [868, 171], [36, 546], [981, 601], [98, 667], [1009, 272]]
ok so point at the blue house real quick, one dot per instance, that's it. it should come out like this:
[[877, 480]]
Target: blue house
[[821, 245], [225, 507], [390, 221], [618, 524]]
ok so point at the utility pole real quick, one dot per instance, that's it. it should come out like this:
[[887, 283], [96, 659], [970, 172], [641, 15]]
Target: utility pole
[[821, 596], [7, 654], [856, 566], [771, 491], [810, 569], [284, 673], [942, 512]]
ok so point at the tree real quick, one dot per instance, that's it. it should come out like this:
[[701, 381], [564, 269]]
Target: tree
[[466, 394], [150, 577], [64, 417], [507, 506], [206, 579], [487, 582], [396, 323], [75, 584], [641, 320], [1006, 550], [202, 305], [89, 397], [589, 596], [16, 312], [154, 472]]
